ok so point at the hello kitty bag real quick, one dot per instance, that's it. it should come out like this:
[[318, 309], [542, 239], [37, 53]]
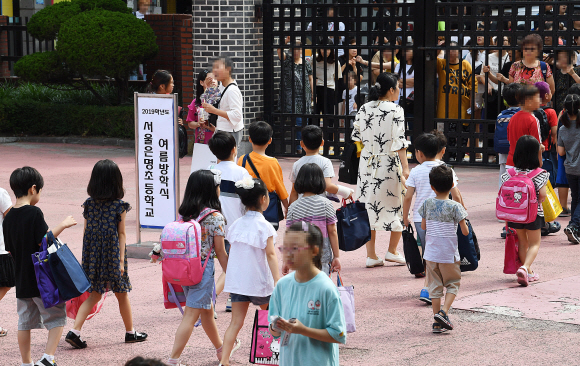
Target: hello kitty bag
[[517, 200], [265, 349]]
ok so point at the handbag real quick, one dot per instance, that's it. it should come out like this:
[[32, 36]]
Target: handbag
[[46, 285], [467, 249], [511, 262], [348, 171], [265, 349], [73, 305], [411, 250], [202, 157], [353, 227], [212, 120], [551, 205], [347, 299], [69, 276], [273, 214]]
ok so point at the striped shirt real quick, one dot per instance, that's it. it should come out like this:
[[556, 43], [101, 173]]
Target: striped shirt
[[539, 180], [317, 210]]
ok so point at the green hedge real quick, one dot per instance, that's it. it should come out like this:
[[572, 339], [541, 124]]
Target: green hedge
[[33, 117]]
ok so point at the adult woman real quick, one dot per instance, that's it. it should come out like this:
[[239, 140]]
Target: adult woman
[[297, 83], [380, 126], [407, 99], [230, 116], [195, 120], [327, 74], [564, 77]]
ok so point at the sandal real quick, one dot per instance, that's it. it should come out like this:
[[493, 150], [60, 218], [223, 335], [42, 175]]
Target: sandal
[[3, 332], [437, 328]]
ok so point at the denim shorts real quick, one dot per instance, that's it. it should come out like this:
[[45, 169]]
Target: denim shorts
[[33, 315], [200, 296], [256, 300]]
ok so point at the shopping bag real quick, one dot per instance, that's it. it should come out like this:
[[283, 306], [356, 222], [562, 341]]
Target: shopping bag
[[551, 205], [353, 227], [73, 305], [347, 299], [69, 276], [511, 262], [468, 249], [411, 250], [265, 349], [44, 280], [202, 157]]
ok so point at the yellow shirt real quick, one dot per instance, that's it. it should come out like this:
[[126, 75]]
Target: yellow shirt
[[270, 173], [458, 86]]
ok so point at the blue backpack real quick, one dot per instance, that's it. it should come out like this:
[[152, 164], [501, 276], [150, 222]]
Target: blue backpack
[[501, 144]]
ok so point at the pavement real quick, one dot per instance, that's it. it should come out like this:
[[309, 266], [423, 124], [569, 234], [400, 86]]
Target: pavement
[[496, 321]]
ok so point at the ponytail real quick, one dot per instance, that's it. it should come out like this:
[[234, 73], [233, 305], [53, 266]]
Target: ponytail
[[161, 77], [572, 108], [385, 82]]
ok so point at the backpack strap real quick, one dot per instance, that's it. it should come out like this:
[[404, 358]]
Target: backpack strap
[[534, 173], [544, 68], [512, 172], [205, 213], [247, 157]]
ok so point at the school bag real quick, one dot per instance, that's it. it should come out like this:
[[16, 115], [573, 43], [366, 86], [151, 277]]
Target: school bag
[[542, 117], [517, 200], [501, 144], [468, 249], [411, 249]]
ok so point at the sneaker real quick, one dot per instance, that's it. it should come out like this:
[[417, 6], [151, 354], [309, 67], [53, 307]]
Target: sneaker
[[75, 340], [237, 345], [229, 304], [135, 337], [572, 234], [420, 275], [442, 318], [550, 228], [424, 296], [45, 362], [437, 328], [565, 213], [533, 277], [214, 315], [374, 262], [522, 274], [395, 258]]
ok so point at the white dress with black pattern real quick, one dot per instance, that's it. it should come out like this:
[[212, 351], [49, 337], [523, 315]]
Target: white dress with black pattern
[[380, 126]]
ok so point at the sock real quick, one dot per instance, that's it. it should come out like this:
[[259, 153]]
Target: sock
[[219, 349], [27, 364], [76, 332], [48, 357], [173, 361], [131, 331]]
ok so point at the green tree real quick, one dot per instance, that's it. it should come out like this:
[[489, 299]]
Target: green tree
[[94, 39]]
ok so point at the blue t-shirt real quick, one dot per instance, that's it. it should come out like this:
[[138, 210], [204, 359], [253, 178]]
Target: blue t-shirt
[[317, 305]]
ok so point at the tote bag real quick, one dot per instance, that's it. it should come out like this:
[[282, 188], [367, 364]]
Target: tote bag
[[411, 250], [44, 280], [353, 227], [265, 349], [347, 299], [69, 276], [202, 157], [551, 205], [511, 262]]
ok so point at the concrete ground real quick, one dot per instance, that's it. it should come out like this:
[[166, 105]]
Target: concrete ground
[[497, 322]]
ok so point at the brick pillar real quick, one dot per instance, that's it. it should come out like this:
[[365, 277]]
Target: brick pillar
[[4, 70]]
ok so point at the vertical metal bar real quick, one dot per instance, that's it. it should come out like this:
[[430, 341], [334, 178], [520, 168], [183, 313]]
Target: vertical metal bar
[[426, 62], [268, 62]]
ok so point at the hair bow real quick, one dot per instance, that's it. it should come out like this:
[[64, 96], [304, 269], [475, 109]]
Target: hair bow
[[217, 176], [246, 183]]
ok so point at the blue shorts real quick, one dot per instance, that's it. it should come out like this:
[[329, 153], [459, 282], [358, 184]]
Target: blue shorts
[[200, 296], [256, 300]]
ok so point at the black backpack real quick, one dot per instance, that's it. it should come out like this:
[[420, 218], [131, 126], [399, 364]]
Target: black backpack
[[182, 141], [348, 171], [544, 124]]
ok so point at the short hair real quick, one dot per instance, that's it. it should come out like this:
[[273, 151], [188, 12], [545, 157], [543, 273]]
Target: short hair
[[441, 138], [574, 89], [312, 137], [510, 94], [526, 153], [441, 178], [428, 144], [351, 40], [140, 361], [534, 39], [228, 63], [260, 132], [543, 87], [221, 144], [526, 92], [310, 179], [22, 179], [106, 183]]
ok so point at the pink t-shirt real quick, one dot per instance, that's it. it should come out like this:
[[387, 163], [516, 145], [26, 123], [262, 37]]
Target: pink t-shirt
[[202, 135]]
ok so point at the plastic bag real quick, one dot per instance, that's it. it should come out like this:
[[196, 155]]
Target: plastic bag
[[551, 205]]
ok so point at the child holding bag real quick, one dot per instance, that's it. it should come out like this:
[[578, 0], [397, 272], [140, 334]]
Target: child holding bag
[[314, 318], [104, 251], [253, 267]]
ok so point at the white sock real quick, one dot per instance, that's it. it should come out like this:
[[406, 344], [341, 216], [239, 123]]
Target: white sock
[[131, 331], [76, 332], [48, 357], [27, 364], [173, 361]]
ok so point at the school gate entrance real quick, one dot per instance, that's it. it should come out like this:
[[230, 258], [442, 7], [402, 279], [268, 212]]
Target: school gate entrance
[[407, 37]]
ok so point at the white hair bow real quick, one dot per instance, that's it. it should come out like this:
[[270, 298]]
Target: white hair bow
[[217, 176], [246, 183]]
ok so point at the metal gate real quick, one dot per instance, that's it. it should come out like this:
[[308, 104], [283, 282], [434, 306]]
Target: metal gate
[[423, 41]]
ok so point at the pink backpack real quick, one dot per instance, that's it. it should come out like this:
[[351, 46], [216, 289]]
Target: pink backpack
[[181, 251], [517, 200]]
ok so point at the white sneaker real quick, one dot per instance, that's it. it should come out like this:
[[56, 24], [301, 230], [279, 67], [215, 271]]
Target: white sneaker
[[374, 262], [396, 258]]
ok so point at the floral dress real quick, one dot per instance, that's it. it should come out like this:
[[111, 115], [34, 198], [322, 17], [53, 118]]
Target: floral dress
[[526, 75], [296, 94], [380, 126], [101, 252]]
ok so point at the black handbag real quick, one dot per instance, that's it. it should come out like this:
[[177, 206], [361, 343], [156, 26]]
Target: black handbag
[[348, 171], [353, 227], [212, 120], [182, 133], [411, 250]]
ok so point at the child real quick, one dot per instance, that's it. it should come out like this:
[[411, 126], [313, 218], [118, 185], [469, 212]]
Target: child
[[202, 194], [427, 150], [317, 210], [268, 167], [104, 251], [207, 91], [352, 92], [315, 329], [6, 261], [440, 217], [510, 92], [223, 146], [528, 157], [569, 146], [253, 268], [311, 143], [23, 228]]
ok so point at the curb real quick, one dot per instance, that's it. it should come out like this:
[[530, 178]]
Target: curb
[[71, 140]]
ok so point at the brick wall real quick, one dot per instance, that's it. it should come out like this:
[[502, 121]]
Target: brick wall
[[4, 70], [228, 28]]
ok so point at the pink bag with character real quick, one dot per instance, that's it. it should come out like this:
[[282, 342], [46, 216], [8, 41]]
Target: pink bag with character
[[517, 200], [265, 349]]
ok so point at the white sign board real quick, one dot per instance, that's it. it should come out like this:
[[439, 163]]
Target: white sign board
[[156, 145]]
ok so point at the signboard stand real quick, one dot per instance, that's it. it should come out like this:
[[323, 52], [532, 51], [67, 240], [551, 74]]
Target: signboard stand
[[156, 166]]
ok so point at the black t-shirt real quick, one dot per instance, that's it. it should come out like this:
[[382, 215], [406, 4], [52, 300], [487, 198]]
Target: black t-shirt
[[344, 60], [24, 227]]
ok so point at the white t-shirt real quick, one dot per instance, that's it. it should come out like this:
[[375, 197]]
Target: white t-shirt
[[232, 207], [139, 15], [248, 270], [419, 179], [5, 204], [324, 163], [410, 90], [351, 94], [233, 103], [494, 67], [331, 76]]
